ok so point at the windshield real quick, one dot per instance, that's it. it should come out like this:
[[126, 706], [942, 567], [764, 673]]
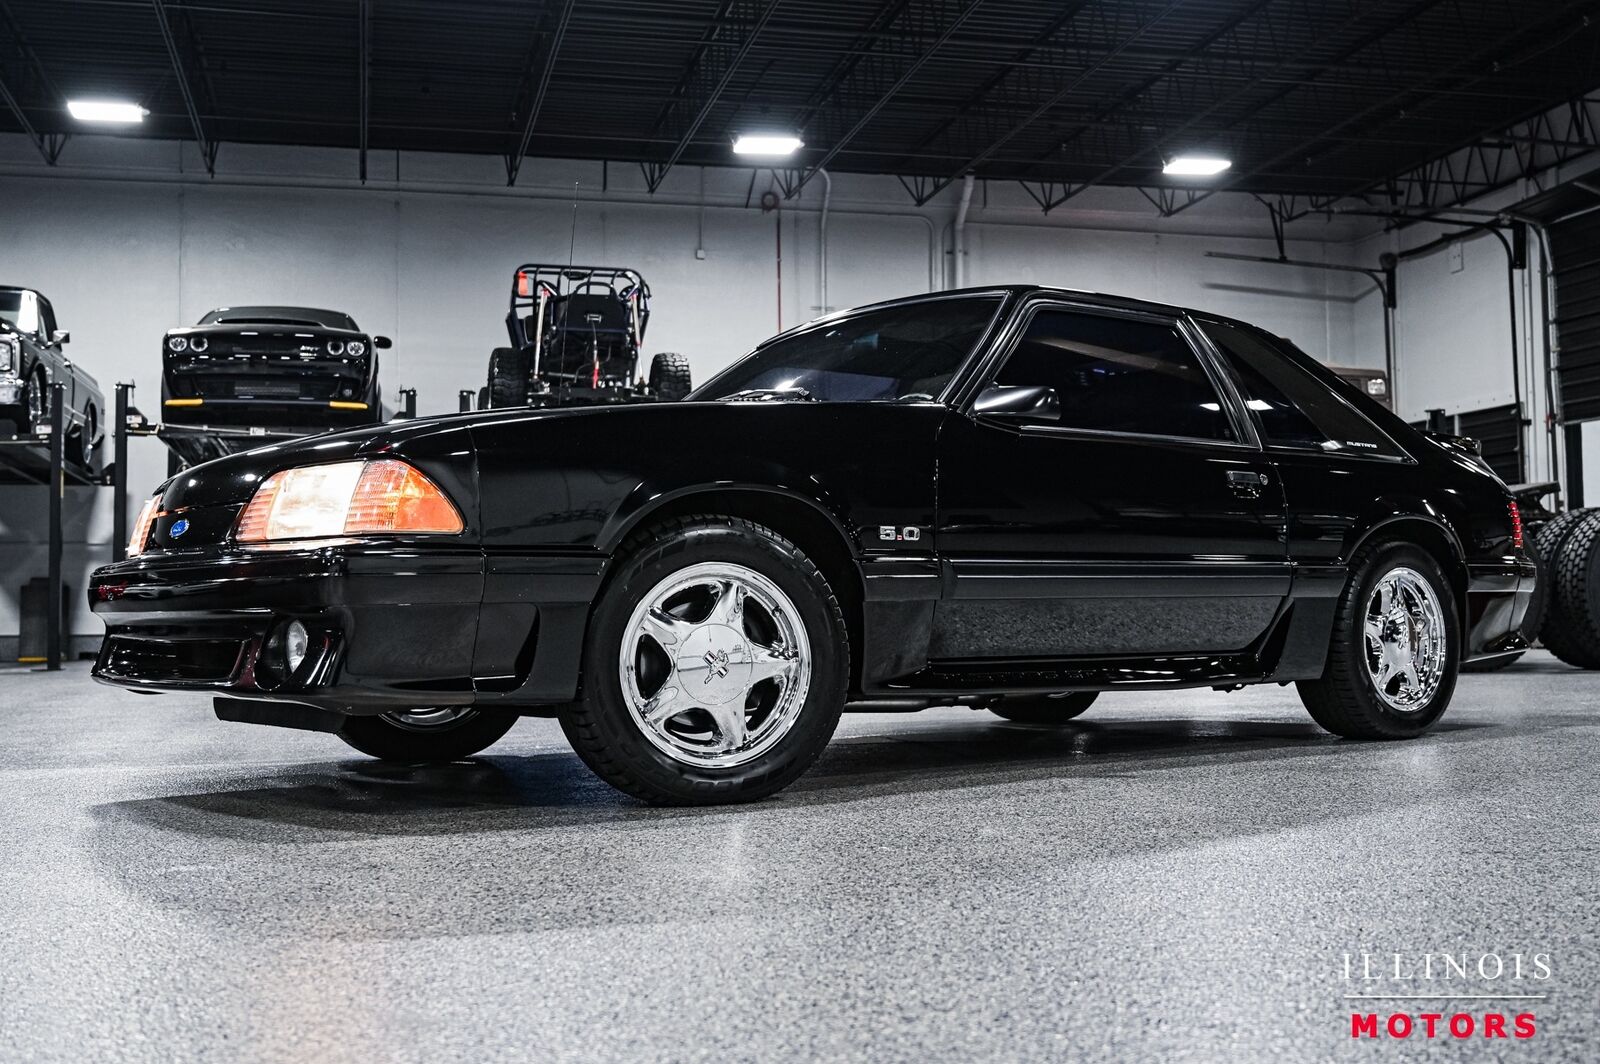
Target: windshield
[[901, 352], [11, 308], [295, 317]]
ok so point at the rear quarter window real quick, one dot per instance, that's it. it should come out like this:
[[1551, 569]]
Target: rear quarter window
[[1293, 407]]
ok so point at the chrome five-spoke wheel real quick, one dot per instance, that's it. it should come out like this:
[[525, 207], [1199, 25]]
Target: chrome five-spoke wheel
[[715, 664], [1405, 640]]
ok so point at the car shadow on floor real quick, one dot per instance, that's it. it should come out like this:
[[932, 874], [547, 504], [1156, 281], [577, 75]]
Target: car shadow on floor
[[552, 790]]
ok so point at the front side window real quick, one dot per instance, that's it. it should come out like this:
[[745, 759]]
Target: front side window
[[908, 351], [1294, 408], [1115, 374]]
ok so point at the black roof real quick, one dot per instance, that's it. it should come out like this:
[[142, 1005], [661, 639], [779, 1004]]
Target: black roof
[[1306, 98], [327, 319]]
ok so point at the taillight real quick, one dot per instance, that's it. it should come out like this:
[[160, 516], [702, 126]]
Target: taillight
[[346, 498], [142, 525], [524, 284], [1516, 525]]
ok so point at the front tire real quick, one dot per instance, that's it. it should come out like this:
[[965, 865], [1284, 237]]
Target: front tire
[[715, 666], [1044, 709], [435, 733], [1395, 650], [85, 441]]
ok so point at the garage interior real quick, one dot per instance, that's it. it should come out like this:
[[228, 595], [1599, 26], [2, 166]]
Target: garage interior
[[1413, 197]]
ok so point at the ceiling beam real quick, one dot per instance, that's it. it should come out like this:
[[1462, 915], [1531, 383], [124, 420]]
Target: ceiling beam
[[49, 149], [1143, 22], [870, 69], [1244, 56], [49, 145], [546, 47], [1474, 67], [208, 146], [364, 14], [711, 71]]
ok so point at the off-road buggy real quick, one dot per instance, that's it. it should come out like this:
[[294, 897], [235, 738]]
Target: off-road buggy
[[575, 338]]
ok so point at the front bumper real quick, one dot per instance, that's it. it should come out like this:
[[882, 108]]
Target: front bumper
[[390, 626], [1498, 594]]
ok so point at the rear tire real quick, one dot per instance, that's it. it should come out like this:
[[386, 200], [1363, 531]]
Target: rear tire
[[737, 737], [1346, 700], [427, 734], [508, 377], [669, 376], [1572, 630], [1044, 709]]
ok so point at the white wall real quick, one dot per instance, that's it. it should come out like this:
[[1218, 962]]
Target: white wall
[[1453, 324], [129, 237]]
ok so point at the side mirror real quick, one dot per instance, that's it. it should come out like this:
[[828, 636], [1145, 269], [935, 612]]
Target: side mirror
[[60, 337], [1020, 402], [382, 343]]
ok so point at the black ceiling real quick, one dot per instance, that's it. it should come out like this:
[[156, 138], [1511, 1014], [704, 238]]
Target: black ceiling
[[1312, 97]]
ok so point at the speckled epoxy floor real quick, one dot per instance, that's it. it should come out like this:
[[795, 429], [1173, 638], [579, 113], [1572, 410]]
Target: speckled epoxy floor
[[1173, 877]]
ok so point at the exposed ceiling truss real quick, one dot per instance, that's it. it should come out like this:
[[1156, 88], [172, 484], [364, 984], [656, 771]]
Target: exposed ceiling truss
[[1406, 102]]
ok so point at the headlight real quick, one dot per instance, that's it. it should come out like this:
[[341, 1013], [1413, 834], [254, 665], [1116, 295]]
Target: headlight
[[8, 353], [335, 347], [355, 348], [346, 498], [199, 343], [141, 527], [175, 344]]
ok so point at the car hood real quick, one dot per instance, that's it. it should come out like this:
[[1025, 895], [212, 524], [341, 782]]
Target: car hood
[[273, 329]]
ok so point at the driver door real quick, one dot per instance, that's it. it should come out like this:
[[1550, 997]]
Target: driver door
[[1132, 515]]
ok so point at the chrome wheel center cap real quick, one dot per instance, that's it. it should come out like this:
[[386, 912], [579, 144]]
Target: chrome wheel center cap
[[714, 664]]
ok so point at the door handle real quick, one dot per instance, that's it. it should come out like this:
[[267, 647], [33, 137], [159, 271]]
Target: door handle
[[1246, 483]]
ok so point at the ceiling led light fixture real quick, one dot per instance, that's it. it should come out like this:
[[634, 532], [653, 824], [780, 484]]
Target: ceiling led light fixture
[[1196, 166], [773, 144], [106, 111]]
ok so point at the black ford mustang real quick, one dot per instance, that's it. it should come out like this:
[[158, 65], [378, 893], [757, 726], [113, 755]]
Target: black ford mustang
[[271, 366], [1014, 498]]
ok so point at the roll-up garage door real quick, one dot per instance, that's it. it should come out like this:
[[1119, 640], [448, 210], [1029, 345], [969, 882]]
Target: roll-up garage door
[[1575, 249], [1498, 431]]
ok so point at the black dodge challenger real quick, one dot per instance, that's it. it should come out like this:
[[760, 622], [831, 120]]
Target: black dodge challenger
[[1013, 498], [271, 366]]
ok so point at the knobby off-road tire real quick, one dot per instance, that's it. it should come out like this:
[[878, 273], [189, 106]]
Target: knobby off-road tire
[[1572, 629], [508, 377], [667, 592], [669, 376], [428, 734], [1345, 699], [1046, 709]]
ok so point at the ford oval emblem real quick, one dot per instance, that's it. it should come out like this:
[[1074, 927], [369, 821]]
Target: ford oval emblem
[[179, 527]]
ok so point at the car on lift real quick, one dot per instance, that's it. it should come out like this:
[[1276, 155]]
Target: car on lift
[[1010, 498], [269, 366], [576, 334], [32, 358]]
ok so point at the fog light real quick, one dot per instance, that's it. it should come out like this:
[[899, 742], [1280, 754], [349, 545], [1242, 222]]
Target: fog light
[[295, 643]]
